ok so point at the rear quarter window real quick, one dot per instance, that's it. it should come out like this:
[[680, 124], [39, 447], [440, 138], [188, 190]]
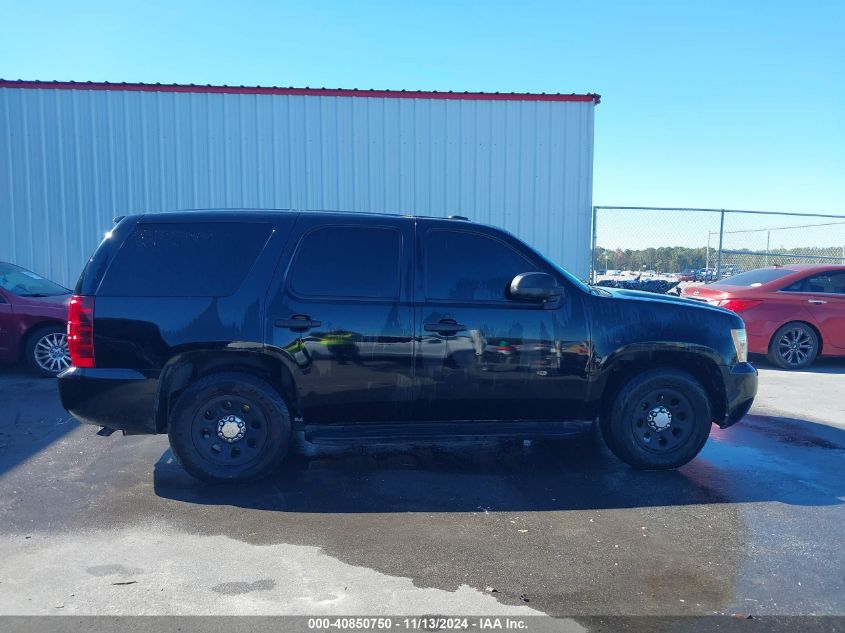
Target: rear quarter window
[[185, 259]]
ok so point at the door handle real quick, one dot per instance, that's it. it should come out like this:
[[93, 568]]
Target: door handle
[[300, 322], [445, 326], [816, 302]]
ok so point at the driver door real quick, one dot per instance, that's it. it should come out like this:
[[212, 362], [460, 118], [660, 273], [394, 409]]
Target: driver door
[[480, 354]]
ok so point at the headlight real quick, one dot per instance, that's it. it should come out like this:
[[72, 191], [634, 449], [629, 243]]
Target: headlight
[[740, 339]]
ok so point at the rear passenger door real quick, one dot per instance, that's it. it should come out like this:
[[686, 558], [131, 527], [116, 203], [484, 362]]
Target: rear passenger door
[[823, 297], [482, 355], [344, 318]]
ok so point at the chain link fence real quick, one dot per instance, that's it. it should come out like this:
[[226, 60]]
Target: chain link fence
[[703, 245]]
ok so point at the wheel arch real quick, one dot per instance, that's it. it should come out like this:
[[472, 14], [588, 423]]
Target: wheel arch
[[187, 367], [33, 329], [701, 367]]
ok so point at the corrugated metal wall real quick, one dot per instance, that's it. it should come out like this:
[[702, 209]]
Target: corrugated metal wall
[[71, 160]]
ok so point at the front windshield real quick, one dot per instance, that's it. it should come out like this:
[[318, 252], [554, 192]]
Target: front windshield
[[25, 283], [580, 284]]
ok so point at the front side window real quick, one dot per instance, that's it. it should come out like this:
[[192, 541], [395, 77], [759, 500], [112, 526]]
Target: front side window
[[347, 262], [823, 283], [464, 266]]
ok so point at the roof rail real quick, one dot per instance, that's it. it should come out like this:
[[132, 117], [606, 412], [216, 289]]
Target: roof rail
[[459, 217]]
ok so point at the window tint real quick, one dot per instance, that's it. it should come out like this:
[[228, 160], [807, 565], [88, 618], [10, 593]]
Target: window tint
[[461, 266], [348, 261], [827, 283], [754, 277], [185, 259]]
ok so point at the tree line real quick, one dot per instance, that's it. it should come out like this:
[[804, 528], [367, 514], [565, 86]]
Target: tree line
[[673, 259]]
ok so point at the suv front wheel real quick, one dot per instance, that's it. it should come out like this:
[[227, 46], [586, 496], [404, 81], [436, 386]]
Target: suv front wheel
[[658, 420], [229, 427]]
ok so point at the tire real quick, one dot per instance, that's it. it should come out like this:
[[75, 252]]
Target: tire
[[45, 351], [794, 346], [638, 430], [229, 427]]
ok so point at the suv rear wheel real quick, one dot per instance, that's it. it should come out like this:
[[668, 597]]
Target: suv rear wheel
[[229, 427], [659, 419]]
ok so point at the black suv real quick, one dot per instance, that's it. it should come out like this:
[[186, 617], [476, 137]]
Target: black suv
[[232, 330]]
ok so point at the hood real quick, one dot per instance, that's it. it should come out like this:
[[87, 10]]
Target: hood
[[657, 299]]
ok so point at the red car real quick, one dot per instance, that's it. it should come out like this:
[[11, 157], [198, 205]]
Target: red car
[[792, 313], [33, 321]]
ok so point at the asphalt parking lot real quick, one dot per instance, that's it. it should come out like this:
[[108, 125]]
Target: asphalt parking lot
[[97, 525]]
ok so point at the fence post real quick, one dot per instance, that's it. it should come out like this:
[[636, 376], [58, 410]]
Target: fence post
[[593, 253], [721, 237], [768, 241]]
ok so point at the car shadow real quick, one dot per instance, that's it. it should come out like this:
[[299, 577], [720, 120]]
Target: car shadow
[[761, 459], [31, 418], [823, 365]]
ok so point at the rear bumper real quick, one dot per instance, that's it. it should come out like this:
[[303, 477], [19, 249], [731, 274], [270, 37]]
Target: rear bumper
[[740, 382], [121, 399]]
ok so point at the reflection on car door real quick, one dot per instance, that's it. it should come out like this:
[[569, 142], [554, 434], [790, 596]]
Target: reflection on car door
[[481, 355], [344, 318]]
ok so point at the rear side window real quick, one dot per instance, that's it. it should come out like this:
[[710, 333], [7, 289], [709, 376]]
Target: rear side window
[[755, 277], [824, 283], [463, 266], [185, 259], [347, 261]]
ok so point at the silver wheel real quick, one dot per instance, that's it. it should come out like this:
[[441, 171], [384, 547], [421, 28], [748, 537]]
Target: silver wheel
[[795, 346], [51, 354]]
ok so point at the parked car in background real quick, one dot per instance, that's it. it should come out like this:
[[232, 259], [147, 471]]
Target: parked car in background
[[705, 274], [792, 313], [33, 321], [232, 331], [686, 275], [729, 271]]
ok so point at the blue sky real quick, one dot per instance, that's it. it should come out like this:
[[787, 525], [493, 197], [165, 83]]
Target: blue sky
[[717, 104]]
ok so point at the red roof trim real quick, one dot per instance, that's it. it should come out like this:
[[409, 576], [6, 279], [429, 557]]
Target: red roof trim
[[311, 92]]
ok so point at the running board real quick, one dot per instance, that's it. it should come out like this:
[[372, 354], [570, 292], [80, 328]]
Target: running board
[[432, 431]]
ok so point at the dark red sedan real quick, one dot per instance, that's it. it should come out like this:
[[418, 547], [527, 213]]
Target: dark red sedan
[[792, 313], [33, 321]]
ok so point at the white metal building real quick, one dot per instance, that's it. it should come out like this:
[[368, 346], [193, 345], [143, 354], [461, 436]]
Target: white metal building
[[74, 155]]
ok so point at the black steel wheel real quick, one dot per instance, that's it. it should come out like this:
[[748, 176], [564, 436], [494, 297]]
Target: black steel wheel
[[794, 346], [659, 419], [229, 427], [46, 351]]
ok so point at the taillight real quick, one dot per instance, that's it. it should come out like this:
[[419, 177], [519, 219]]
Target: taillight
[[80, 331], [738, 305]]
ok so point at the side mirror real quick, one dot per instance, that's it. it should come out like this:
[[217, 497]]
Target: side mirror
[[539, 287]]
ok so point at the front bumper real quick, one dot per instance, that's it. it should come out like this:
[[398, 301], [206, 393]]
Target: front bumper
[[740, 382], [121, 399]]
